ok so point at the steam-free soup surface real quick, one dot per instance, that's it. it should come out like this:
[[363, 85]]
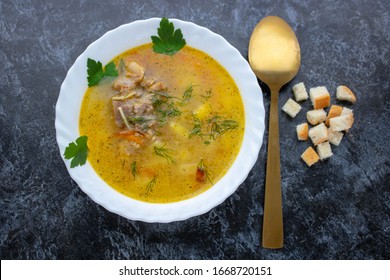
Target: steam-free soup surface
[[167, 128]]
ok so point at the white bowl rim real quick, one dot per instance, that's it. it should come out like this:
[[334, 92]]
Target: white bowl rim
[[72, 92]]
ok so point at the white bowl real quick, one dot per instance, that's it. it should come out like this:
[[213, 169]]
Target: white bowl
[[129, 36]]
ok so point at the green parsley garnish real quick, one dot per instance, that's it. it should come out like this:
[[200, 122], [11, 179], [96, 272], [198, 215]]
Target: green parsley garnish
[[169, 41], [78, 151], [110, 70], [96, 73]]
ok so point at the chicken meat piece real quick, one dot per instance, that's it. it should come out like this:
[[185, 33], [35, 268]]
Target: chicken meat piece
[[134, 71]]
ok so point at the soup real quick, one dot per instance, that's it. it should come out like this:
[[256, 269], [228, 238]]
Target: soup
[[167, 128]]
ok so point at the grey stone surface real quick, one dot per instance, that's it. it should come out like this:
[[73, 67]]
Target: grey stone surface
[[337, 209]]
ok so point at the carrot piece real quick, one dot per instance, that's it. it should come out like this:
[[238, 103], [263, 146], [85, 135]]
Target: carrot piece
[[131, 135], [149, 172], [124, 133], [201, 172], [200, 175], [135, 139]]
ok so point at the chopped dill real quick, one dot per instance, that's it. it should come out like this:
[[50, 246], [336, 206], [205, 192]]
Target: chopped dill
[[150, 186], [187, 95], [164, 108], [162, 94], [169, 110], [157, 101], [134, 169], [212, 128], [164, 152], [160, 98], [203, 170], [219, 126], [197, 128], [207, 95], [138, 119]]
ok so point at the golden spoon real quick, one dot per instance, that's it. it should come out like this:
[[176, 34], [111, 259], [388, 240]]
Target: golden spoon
[[275, 57]]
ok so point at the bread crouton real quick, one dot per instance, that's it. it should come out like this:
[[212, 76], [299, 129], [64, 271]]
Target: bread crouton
[[291, 107], [315, 117], [300, 92], [346, 111], [318, 134], [320, 97], [334, 111], [303, 131], [335, 137], [341, 123], [310, 156], [324, 150], [345, 94]]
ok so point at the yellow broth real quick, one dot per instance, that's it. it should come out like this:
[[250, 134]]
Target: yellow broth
[[157, 179]]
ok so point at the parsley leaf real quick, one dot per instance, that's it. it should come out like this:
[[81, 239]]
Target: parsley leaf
[[78, 151], [96, 73], [169, 40], [110, 70]]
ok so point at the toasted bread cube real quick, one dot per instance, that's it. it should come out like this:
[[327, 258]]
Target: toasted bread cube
[[291, 107], [324, 150], [318, 134], [320, 97], [303, 131], [300, 92], [345, 94], [346, 111], [334, 111], [310, 156], [335, 137], [341, 123], [315, 117]]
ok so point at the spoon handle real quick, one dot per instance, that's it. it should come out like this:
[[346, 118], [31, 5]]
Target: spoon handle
[[273, 220]]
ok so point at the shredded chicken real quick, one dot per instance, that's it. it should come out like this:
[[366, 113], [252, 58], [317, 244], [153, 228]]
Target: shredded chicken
[[134, 71], [158, 86], [133, 104], [124, 83]]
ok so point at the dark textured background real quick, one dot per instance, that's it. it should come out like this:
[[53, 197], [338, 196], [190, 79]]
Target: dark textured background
[[337, 209]]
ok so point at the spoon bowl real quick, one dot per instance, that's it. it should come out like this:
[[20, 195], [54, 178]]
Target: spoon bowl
[[274, 52], [275, 57]]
